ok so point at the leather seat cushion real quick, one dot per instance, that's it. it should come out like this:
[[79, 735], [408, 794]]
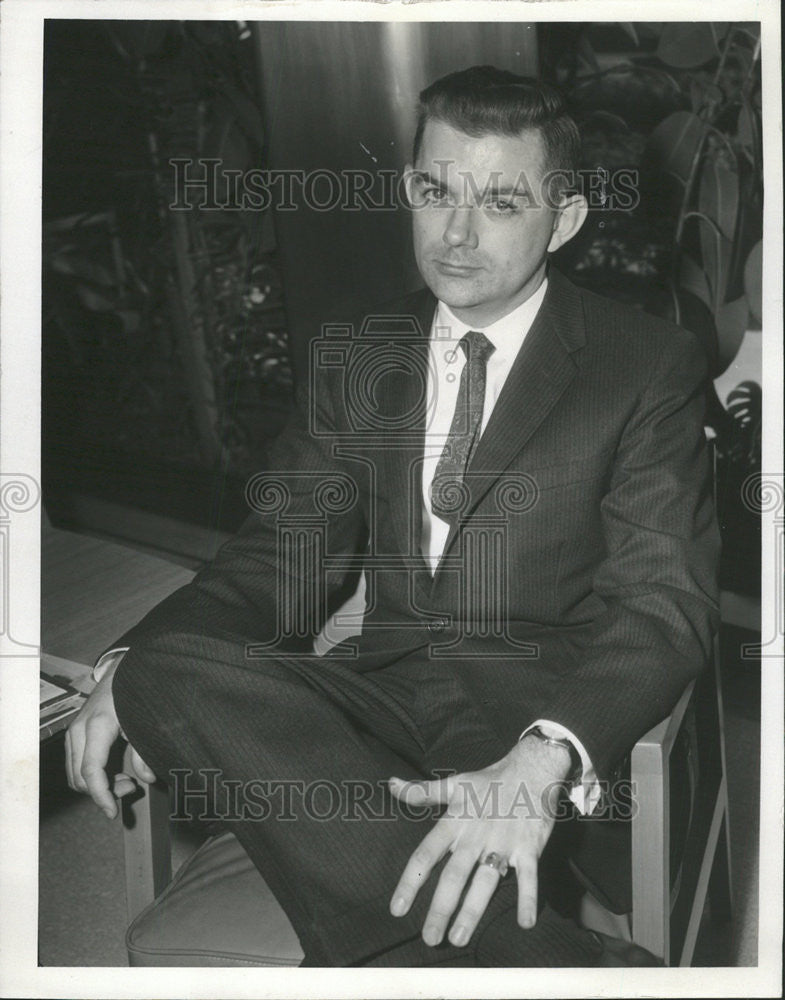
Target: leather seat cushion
[[217, 911]]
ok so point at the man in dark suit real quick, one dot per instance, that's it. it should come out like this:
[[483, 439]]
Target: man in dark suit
[[519, 468]]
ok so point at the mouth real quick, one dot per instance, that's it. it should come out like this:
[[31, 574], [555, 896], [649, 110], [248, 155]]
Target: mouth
[[458, 270]]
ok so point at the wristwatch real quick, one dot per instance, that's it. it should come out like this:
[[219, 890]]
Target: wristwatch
[[575, 773]]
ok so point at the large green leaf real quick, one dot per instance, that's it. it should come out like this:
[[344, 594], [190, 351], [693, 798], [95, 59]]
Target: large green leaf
[[718, 253], [246, 110], [718, 199], [715, 254], [675, 143], [731, 319], [745, 129], [718, 194], [94, 300], [649, 29], [693, 278], [685, 308], [138, 38], [687, 44], [750, 28], [69, 263], [753, 281], [587, 58], [743, 59], [703, 93], [130, 320], [745, 408], [745, 403], [748, 226]]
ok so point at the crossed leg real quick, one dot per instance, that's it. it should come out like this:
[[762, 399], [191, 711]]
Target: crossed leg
[[321, 740]]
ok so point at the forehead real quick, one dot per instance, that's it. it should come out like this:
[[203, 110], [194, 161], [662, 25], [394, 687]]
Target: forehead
[[454, 151]]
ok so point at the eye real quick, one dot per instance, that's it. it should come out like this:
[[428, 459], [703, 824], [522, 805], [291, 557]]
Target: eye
[[502, 206], [433, 195], [423, 191]]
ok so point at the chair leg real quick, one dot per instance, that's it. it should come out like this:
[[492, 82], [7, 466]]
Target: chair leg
[[147, 848], [720, 890]]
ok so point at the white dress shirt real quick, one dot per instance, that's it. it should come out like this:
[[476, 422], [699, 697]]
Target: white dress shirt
[[446, 361], [445, 364]]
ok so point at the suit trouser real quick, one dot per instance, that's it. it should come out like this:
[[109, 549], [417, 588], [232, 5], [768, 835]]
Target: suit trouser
[[298, 751]]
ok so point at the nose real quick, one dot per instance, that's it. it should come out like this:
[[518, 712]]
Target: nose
[[460, 230]]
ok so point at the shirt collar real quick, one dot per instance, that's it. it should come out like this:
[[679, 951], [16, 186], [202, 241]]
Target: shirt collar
[[506, 334]]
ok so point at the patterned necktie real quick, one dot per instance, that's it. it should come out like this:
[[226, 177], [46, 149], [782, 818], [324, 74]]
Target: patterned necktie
[[446, 488]]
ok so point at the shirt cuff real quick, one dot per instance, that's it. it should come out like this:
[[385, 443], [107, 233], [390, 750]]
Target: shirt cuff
[[586, 794], [109, 659]]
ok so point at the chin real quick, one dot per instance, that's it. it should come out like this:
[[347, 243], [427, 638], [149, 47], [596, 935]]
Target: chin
[[455, 292]]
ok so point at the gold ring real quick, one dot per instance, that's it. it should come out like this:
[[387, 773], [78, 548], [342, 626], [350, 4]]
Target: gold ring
[[497, 862]]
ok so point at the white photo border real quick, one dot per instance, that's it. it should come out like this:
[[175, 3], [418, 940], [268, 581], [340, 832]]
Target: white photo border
[[21, 47]]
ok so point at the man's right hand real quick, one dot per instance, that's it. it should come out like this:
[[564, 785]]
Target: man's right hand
[[87, 744]]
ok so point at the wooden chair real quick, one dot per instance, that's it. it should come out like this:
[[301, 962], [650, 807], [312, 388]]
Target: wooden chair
[[677, 840], [244, 924], [669, 892]]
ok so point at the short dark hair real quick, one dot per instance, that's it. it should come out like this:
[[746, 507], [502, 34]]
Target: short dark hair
[[484, 100]]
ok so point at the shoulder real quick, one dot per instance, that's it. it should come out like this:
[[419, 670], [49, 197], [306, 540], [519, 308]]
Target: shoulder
[[410, 314], [623, 331], [419, 304]]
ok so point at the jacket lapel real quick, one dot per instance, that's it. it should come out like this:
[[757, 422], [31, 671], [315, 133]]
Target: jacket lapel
[[539, 376], [405, 410]]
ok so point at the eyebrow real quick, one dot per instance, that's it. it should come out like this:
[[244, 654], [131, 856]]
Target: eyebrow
[[426, 175], [492, 189]]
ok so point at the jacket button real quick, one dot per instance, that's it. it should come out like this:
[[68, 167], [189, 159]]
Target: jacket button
[[437, 625]]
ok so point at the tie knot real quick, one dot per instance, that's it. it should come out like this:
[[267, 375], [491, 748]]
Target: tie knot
[[476, 346]]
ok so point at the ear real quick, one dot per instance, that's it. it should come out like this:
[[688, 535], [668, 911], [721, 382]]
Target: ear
[[408, 177], [569, 218]]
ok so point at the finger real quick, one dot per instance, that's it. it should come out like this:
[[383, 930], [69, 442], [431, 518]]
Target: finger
[[432, 849], [452, 882], [75, 741], [123, 785], [423, 793], [141, 769], [69, 773], [526, 872], [93, 769], [475, 902]]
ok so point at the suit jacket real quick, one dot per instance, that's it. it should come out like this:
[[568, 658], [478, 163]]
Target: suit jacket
[[578, 582]]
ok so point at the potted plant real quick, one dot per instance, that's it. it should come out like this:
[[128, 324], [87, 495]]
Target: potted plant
[[680, 103]]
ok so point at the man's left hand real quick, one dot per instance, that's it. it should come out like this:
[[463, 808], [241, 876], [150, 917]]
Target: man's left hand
[[506, 809]]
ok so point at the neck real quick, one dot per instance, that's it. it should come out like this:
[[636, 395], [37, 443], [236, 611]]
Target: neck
[[487, 313]]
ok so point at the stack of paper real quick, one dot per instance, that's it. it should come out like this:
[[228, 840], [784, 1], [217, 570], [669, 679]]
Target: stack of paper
[[58, 701]]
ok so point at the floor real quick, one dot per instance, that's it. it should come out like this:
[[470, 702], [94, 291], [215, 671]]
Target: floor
[[82, 900]]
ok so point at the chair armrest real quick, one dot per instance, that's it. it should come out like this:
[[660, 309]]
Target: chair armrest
[[650, 777], [146, 842], [658, 742]]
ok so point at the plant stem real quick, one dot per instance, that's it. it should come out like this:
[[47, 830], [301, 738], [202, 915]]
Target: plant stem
[[703, 115], [723, 55], [755, 57]]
